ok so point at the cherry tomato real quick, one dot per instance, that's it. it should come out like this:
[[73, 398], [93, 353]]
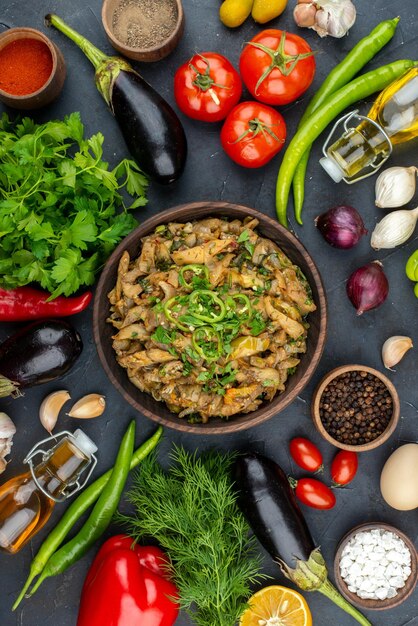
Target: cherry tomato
[[253, 134], [344, 467], [277, 66], [306, 454], [314, 493], [207, 87]]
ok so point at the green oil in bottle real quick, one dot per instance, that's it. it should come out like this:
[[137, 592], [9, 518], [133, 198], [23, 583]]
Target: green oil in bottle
[[392, 119]]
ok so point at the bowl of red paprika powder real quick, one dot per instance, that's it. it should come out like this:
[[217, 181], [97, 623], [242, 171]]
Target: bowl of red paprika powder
[[32, 69]]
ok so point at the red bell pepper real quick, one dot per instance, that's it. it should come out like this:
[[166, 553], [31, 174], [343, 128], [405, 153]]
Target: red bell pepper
[[128, 585], [26, 303]]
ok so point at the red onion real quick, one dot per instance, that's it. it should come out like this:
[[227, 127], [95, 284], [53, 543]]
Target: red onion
[[341, 227], [368, 287]]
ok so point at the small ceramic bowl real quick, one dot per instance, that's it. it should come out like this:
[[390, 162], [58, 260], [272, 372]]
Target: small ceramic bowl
[[377, 605], [51, 88], [155, 53], [317, 398]]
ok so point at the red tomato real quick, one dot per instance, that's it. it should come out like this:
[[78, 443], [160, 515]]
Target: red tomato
[[253, 134], [207, 87], [277, 67], [344, 467], [314, 493], [306, 454]]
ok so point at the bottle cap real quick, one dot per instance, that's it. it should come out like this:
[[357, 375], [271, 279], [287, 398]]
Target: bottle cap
[[332, 169], [86, 445]]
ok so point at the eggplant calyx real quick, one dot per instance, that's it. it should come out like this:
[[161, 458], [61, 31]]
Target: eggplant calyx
[[312, 575], [308, 575], [107, 73], [8, 388]]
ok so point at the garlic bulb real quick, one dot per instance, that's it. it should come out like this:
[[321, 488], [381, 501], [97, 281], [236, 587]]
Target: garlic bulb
[[394, 229], [7, 430], [395, 187], [89, 406], [326, 17], [394, 349], [50, 408]]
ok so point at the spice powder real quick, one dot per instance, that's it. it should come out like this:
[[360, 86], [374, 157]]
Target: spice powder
[[25, 66], [144, 23]]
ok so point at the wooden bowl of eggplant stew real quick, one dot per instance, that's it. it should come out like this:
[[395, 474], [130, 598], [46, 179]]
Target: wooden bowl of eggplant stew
[[242, 380]]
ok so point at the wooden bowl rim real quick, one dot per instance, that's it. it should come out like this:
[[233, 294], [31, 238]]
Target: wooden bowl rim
[[334, 373], [403, 593], [52, 47], [187, 213], [153, 49]]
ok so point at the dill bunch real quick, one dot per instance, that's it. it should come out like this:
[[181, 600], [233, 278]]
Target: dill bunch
[[191, 510]]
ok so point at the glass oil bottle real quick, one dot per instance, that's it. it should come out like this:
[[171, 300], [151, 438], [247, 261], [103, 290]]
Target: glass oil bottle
[[27, 501], [392, 119]]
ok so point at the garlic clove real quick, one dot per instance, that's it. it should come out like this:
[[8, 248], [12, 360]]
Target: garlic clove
[[89, 406], [304, 15], [5, 446], [334, 18], [51, 407], [395, 187], [394, 229], [394, 349], [7, 428], [3, 465]]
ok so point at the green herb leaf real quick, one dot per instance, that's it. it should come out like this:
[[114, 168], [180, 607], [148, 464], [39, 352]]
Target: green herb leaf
[[191, 510], [61, 207], [244, 236], [257, 324]]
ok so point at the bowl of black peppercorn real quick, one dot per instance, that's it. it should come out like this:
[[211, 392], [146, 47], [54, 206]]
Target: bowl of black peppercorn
[[355, 407]]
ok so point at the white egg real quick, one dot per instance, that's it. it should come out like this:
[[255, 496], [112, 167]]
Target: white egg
[[399, 478]]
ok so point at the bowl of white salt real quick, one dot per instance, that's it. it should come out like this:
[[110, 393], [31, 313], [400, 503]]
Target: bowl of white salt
[[143, 30], [375, 566]]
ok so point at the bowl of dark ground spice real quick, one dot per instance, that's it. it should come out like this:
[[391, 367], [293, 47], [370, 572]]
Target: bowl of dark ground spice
[[32, 69], [143, 30], [355, 407]]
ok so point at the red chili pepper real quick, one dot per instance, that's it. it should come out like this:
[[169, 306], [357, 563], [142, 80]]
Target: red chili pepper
[[128, 585], [26, 303]]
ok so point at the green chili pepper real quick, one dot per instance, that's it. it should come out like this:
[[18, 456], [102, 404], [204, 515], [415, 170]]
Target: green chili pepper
[[342, 73], [357, 89], [76, 509], [168, 306], [205, 311], [100, 517], [196, 269], [412, 266], [201, 340]]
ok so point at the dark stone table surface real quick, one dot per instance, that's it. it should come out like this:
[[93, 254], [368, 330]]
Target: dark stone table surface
[[210, 175]]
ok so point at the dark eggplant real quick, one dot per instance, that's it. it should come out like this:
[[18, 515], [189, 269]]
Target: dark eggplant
[[38, 353], [152, 131], [265, 497], [269, 504]]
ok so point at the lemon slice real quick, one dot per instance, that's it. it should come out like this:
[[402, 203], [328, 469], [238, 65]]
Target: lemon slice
[[277, 606]]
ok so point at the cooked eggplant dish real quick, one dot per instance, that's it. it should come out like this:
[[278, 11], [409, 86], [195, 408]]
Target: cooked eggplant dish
[[210, 317]]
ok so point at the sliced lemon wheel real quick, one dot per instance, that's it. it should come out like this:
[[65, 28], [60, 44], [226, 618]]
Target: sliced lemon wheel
[[277, 606]]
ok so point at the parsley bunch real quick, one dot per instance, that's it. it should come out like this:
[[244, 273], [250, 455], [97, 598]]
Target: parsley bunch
[[61, 210]]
